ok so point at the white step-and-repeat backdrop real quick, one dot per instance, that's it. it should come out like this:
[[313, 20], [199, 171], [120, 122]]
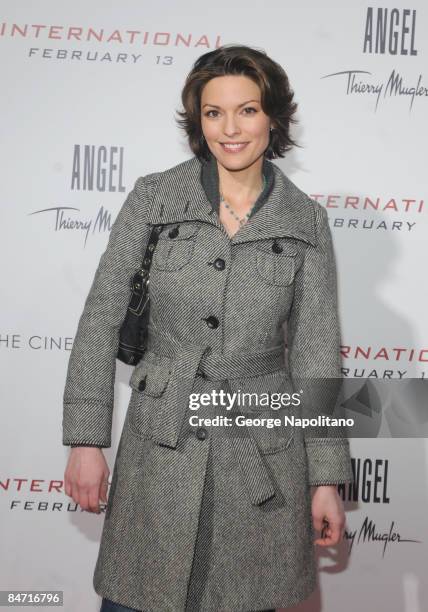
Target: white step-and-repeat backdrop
[[89, 93]]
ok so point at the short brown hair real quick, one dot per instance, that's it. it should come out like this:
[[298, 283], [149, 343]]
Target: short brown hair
[[276, 95]]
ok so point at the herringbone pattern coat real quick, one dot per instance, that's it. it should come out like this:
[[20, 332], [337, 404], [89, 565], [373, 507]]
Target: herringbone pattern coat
[[213, 518]]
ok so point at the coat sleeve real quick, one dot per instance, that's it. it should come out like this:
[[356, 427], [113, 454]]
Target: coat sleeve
[[313, 342], [89, 387]]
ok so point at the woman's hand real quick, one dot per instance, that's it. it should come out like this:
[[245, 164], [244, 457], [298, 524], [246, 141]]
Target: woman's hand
[[86, 477], [328, 514]]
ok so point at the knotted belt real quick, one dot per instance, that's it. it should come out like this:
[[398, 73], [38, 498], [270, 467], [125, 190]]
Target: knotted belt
[[188, 361]]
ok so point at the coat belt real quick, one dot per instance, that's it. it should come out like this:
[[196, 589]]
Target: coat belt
[[189, 361]]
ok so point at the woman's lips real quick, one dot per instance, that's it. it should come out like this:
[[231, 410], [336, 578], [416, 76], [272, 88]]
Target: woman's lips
[[233, 148]]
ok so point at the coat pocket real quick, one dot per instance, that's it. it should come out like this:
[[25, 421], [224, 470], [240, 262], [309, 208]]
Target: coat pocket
[[148, 382], [175, 246], [276, 268]]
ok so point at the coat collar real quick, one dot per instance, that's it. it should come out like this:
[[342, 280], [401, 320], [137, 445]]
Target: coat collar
[[287, 212]]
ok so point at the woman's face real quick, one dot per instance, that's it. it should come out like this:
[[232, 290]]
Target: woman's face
[[231, 112]]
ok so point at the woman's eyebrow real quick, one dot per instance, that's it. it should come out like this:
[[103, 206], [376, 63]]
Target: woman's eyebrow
[[239, 105]]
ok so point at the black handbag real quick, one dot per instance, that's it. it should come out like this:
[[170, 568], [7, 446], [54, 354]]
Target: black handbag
[[133, 331]]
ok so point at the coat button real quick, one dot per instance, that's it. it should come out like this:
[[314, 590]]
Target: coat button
[[212, 321], [201, 433], [276, 248], [173, 232], [142, 384], [219, 264]]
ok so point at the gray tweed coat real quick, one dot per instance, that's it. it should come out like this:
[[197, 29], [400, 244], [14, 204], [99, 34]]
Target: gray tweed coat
[[199, 516]]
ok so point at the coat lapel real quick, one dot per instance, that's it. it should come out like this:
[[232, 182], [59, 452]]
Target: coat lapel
[[288, 211]]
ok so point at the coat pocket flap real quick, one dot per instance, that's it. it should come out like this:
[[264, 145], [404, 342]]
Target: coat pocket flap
[[150, 378], [276, 269], [179, 231], [289, 250]]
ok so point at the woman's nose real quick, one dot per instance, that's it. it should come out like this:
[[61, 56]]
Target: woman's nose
[[231, 127]]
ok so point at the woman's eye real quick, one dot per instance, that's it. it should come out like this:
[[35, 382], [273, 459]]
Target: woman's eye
[[247, 108]]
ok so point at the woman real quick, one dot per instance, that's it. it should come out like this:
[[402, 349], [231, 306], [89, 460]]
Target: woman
[[201, 516]]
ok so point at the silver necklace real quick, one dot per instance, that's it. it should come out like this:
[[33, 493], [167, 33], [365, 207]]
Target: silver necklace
[[233, 213]]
